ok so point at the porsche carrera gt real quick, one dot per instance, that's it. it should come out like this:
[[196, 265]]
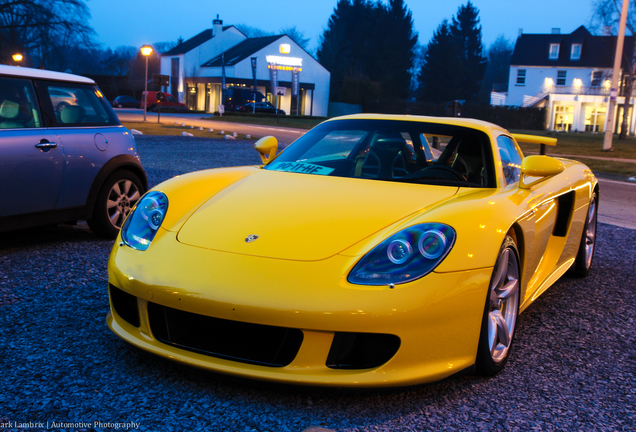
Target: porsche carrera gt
[[376, 250]]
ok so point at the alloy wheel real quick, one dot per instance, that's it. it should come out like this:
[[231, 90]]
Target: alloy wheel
[[121, 198], [504, 301]]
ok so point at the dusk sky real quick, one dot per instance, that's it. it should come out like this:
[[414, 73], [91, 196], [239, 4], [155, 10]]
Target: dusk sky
[[137, 22]]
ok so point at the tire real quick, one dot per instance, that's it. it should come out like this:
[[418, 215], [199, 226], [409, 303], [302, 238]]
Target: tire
[[118, 195], [585, 254], [499, 321]]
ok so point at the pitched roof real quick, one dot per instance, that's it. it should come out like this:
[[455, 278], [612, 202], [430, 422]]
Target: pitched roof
[[596, 51], [242, 50], [193, 42]]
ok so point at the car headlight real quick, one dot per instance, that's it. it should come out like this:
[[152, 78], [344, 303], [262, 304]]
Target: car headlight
[[143, 222], [405, 256]]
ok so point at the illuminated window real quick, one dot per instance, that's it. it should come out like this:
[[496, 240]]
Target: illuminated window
[[554, 52], [561, 77], [575, 54], [521, 77]]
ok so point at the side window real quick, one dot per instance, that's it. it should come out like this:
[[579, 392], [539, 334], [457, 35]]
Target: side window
[[78, 105], [18, 104], [521, 77], [510, 159]]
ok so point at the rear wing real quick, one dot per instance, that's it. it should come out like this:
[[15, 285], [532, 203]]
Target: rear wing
[[535, 139]]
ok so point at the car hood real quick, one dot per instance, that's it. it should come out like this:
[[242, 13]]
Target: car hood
[[301, 216]]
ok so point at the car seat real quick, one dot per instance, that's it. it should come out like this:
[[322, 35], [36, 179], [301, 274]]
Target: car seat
[[9, 113], [72, 114]]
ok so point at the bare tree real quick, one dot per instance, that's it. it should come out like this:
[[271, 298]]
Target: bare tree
[[607, 14], [297, 36], [252, 32], [42, 30]]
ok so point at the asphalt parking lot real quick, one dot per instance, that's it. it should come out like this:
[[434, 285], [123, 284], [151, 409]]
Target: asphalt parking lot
[[573, 364]]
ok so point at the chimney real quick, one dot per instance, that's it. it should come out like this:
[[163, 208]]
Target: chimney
[[556, 30], [217, 26], [520, 32]]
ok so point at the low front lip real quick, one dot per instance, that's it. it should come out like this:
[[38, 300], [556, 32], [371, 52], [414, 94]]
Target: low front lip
[[436, 318]]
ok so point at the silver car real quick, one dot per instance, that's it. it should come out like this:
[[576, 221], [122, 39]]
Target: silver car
[[62, 165]]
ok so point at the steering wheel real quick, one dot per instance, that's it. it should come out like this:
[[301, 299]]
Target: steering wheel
[[463, 166]]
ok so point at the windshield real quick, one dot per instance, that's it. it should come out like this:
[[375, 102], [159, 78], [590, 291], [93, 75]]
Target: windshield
[[391, 150]]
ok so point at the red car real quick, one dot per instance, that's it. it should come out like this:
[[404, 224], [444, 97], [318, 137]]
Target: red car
[[169, 102]]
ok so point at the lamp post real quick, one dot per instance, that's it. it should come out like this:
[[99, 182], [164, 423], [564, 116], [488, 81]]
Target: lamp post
[[17, 58], [146, 50]]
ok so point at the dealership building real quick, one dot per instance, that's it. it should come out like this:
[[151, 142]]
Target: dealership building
[[285, 73]]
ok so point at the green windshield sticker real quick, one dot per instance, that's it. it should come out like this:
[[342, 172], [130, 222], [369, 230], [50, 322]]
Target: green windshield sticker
[[301, 167]]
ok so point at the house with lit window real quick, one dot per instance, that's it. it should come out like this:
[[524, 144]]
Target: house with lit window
[[570, 75], [208, 69]]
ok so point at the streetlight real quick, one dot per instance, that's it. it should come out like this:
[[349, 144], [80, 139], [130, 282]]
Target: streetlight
[[146, 50], [17, 58]]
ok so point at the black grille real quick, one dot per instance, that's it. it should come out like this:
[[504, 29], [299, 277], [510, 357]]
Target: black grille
[[233, 340], [125, 305], [361, 350]]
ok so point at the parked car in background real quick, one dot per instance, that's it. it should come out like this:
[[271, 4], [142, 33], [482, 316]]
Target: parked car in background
[[62, 98], [61, 165], [260, 107], [235, 98], [125, 102], [170, 103]]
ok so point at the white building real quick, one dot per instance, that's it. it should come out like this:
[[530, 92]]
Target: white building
[[196, 68], [570, 75]]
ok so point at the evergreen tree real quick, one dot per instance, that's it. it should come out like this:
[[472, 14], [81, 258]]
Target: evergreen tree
[[441, 73], [398, 42], [454, 65], [332, 50], [368, 46], [497, 68], [467, 31]]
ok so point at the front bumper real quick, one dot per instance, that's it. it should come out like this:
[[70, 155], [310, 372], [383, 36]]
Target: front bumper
[[437, 318]]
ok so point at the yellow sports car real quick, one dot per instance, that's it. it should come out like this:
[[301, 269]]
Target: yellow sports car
[[376, 250]]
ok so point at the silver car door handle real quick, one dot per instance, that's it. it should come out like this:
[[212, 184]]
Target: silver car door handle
[[46, 144]]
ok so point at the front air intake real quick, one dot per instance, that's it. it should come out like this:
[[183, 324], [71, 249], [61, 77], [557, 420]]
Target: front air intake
[[361, 350], [232, 340]]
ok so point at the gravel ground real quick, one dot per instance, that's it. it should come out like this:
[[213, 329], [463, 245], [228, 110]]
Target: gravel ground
[[573, 366]]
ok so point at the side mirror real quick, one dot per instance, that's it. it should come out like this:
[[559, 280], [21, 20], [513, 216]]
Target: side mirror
[[543, 167], [267, 147]]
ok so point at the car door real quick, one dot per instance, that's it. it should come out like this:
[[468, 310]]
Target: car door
[[31, 157], [84, 129], [538, 221]]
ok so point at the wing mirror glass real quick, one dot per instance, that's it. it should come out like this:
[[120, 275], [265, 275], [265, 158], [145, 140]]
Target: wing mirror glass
[[267, 147], [540, 168]]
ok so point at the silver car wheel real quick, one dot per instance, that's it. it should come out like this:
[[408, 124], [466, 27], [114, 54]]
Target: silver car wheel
[[504, 301], [590, 234], [121, 198]]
